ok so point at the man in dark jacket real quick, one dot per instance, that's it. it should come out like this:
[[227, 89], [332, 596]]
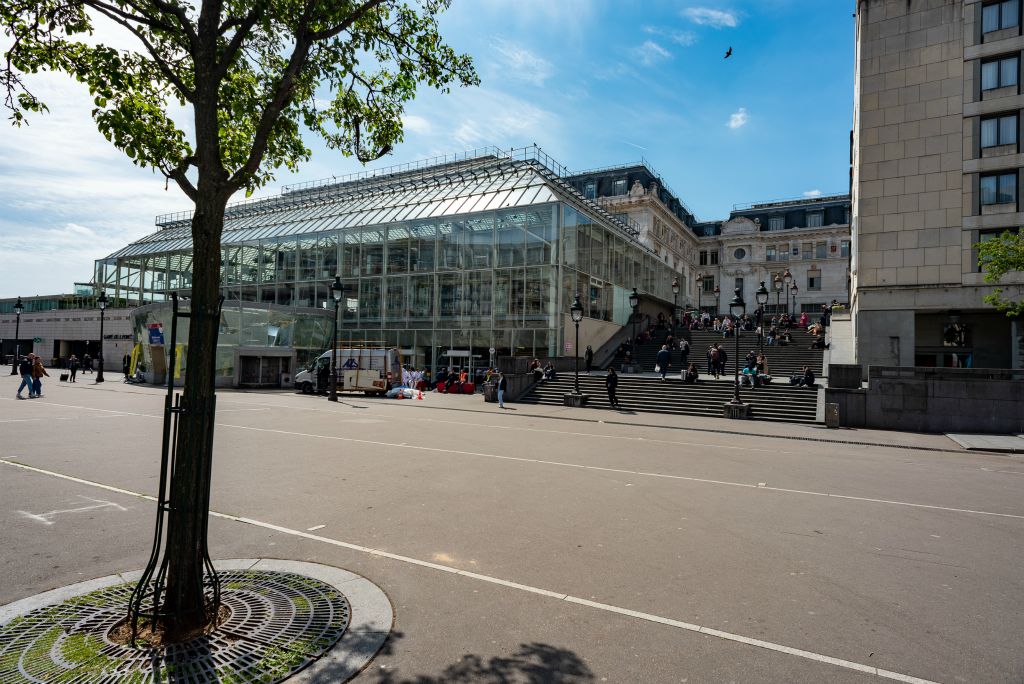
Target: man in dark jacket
[[663, 359], [25, 371], [611, 382], [588, 358], [502, 387], [73, 367]]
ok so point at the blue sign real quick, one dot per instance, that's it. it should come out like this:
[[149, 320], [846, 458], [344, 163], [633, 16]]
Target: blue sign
[[156, 335]]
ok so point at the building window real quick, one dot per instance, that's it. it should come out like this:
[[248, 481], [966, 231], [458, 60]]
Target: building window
[[819, 250], [739, 284], [814, 219], [619, 187], [807, 249], [985, 236], [776, 223], [714, 257], [739, 254], [844, 249], [999, 188], [708, 284], [1000, 15], [814, 280], [769, 253], [784, 251], [703, 257], [590, 190], [999, 130], [999, 73]]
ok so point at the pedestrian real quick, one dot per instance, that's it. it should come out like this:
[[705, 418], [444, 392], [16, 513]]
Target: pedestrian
[[25, 371], [37, 376], [588, 358], [126, 364], [684, 349], [713, 360], [723, 357], [611, 382], [502, 386], [73, 367], [662, 361], [86, 364]]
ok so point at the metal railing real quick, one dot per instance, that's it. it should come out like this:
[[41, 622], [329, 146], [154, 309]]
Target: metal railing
[[793, 202]]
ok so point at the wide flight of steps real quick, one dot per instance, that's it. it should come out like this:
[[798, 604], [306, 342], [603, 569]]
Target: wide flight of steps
[[782, 361], [776, 402]]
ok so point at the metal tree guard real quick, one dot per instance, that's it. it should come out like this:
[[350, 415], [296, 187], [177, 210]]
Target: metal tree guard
[[145, 600]]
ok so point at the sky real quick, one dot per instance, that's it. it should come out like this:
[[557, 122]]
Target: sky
[[594, 83]]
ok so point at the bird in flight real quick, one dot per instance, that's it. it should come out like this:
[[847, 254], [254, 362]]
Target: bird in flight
[[728, 54]]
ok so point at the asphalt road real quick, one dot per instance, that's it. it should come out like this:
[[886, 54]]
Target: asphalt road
[[588, 551]]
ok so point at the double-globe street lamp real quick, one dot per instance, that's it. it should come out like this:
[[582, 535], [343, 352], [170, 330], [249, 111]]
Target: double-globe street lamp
[[18, 308], [762, 298], [102, 301], [675, 304], [337, 289], [737, 307], [634, 304], [718, 293], [787, 278], [794, 290]]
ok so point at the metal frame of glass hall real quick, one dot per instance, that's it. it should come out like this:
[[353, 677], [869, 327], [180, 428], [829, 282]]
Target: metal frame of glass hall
[[469, 252]]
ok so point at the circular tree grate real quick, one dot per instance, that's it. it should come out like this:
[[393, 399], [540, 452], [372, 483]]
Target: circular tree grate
[[279, 623]]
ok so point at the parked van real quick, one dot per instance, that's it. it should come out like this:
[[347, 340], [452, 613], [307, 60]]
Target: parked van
[[359, 370]]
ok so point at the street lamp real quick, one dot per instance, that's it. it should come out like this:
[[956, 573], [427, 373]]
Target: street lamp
[[675, 303], [762, 298], [700, 288], [787, 278], [634, 303], [777, 286], [102, 301], [794, 290], [718, 293], [576, 311], [337, 289], [737, 307], [18, 308]]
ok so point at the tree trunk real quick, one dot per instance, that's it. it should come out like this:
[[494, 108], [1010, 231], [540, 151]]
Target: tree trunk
[[190, 479]]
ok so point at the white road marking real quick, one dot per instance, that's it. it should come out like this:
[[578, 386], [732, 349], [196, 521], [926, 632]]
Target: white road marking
[[625, 471], [314, 528], [45, 518], [647, 617]]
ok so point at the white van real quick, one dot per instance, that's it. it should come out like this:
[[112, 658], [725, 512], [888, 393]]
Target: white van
[[359, 370]]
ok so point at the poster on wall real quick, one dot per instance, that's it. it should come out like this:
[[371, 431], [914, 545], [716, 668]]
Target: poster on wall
[[156, 334]]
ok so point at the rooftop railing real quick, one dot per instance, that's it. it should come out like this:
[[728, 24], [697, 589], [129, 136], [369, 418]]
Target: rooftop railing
[[793, 201]]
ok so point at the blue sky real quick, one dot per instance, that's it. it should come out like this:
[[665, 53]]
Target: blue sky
[[593, 83]]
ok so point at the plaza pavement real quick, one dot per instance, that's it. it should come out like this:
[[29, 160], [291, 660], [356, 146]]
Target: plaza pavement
[[539, 544]]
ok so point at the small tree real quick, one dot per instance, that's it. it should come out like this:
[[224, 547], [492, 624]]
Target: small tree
[[254, 73], [997, 257]]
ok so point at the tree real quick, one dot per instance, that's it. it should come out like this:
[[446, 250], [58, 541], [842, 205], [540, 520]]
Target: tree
[[254, 74], [997, 257]]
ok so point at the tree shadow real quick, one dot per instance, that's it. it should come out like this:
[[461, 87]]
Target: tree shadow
[[533, 663]]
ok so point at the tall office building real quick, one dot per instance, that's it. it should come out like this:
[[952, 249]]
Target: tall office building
[[936, 168]]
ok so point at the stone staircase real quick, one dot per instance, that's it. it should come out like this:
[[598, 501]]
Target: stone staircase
[[783, 361], [776, 402]]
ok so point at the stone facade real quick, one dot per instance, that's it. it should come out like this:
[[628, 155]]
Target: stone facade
[[65, 332], [917, 169]]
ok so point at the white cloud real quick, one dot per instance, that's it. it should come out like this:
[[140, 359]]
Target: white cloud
[[738, 119], [705, 16], [416, 124], [650, 53], [684, 38], [496, 118], [520, 64], [813, 193]]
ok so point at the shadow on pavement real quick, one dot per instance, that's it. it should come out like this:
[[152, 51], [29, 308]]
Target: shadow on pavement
[[534, 663]]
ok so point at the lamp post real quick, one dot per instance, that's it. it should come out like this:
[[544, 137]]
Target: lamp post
[[718, 293], [787, 278], [337, 289], [675, 304], [794, 290], [102, 301], [777, 286], [634, 303], [700, 288], [737, 307], [762, 298], [18, 308], [576, 311]]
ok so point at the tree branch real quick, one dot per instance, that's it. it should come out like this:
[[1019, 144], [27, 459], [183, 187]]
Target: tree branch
[[353, 18], [175, 10], [243, 26]]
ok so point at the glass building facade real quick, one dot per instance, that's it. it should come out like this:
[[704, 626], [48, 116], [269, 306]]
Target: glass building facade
[[481, 252]]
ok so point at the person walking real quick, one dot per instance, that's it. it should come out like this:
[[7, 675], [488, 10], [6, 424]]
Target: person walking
[[73, 367], [502, 386], [684, 350], [588, 358], [662, 361], [723, 357], [611, 383], [37, 376], [86, 364], [713, 360], [25, 371]]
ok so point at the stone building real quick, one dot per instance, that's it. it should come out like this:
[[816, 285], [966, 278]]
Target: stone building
[[936, 168]]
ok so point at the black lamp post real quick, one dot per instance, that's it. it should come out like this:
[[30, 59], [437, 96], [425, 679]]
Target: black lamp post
[[102, 301], [794, 290], [737, 307], [762, 298], [700, 289], [718, 293], [576, 311], [18, 308], [675, 303], [337, 289], [787, 278], [777, 286], [634, 303]]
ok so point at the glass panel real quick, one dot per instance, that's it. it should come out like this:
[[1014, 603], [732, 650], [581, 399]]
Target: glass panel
[[1007, 130], [421, 301], [1008, 72], [369, 301], [372, 242], [988, 189], [1010, 14], [421, 247], [1007, 188], [394, 302], [398, 249], [477, 312], [540, 237], [990, 18], [350, 254], [286, 259], [449, 251], [449, 300], [989, 130], [329, 256], [308, 256], [479, 239], [989, 75], [510, 238]]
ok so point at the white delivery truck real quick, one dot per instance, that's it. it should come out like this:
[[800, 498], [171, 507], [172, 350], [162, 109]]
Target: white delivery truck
[[372, 371]]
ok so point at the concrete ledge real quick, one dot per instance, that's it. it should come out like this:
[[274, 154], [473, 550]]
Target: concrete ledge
[[575, 400], [736, 411]]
